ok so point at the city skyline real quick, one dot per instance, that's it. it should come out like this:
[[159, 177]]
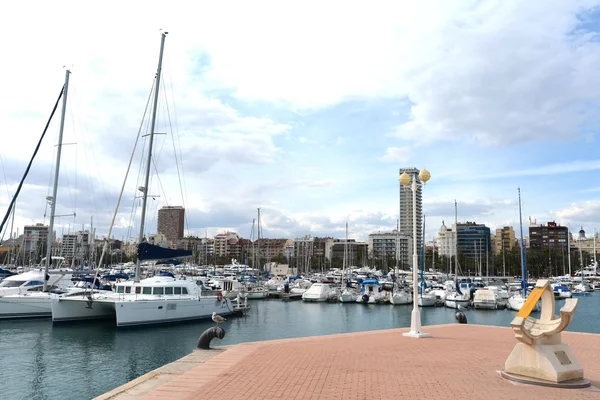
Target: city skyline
[[314, 137]]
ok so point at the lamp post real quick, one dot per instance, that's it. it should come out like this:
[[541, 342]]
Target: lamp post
[[415, 317]]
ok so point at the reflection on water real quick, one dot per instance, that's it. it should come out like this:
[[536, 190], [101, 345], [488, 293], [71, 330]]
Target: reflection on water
[[39, 360]]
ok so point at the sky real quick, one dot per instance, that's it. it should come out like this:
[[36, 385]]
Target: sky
[[305, 109]]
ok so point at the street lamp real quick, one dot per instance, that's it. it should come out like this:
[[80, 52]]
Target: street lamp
[[415, 317]]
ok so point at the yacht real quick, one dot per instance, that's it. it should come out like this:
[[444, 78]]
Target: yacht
[[32, 281], [36, 303], [348, 295], [370, 292], [318, 292], [155, 300], [400, 297], [427, 299], [485, 299]]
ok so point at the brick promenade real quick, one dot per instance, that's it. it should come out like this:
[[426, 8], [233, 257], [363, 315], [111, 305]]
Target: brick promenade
[[458, 362]]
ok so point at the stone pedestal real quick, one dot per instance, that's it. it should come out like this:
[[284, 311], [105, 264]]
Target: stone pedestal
[[550, 362]]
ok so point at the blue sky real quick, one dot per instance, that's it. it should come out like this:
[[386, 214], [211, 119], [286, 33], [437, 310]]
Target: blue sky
[[307, 110]]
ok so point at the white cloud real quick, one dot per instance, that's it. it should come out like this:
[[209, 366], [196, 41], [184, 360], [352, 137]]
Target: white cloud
[[397, 155], [495, 72]]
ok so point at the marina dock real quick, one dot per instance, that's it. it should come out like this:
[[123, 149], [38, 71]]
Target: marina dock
[[458, 361]]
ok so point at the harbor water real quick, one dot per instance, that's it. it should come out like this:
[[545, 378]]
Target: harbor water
[[40, 360]]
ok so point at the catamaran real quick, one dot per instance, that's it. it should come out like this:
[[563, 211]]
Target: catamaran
[[154, 300]]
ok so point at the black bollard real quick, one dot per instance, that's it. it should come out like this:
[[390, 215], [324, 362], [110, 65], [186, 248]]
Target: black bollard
[[208, 335], [460, 317]]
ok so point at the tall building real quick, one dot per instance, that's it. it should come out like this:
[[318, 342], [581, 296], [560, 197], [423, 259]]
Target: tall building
[[549, 235], [406, 209], [505, 239], [171, 222]]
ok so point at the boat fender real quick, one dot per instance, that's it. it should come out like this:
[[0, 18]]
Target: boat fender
[[365, 298], [219, 296]]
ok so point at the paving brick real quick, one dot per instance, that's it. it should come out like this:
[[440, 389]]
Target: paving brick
[[459, 361]]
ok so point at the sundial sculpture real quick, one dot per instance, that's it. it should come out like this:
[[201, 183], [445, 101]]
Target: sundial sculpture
[[540, 357]]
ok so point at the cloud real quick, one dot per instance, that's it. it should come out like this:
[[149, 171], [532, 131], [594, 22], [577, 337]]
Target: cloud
[[585, 213], [397, 155], [478, 87]]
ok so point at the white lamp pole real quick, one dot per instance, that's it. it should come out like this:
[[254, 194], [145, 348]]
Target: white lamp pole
[[415, 317]]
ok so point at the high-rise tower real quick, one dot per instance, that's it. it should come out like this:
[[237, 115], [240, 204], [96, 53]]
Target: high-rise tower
[[406, 209], [171, 222]]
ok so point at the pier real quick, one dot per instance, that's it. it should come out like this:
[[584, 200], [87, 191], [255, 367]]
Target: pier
[[458, 361]]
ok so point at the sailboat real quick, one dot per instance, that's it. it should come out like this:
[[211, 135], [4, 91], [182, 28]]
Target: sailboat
[[399, 296], [516, 301], [426, 298], [154, 300], [28, 295], [455, 296], [349, 293]]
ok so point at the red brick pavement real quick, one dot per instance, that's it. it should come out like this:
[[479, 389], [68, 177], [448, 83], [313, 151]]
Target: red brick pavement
[[458, 362]]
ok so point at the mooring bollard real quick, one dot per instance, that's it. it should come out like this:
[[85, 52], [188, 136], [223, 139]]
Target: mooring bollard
[[460, 317], [208, 335]]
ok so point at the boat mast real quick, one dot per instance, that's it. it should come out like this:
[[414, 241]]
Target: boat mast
[[595, 262], [569, 248], [258, 241], [144, 189], [52, 200], [344, 258], [523, 263], [455, 242]]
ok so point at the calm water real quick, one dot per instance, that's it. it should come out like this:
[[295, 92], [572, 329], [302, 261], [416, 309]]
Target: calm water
[[39, 360]]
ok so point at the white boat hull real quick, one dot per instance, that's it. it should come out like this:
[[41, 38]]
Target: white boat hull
[[256, 295], [313, 299], [80, 308], [426, 301], [400, 298], [485, 305], [348, 297], [146, 312], [25, 306], [454, 303]]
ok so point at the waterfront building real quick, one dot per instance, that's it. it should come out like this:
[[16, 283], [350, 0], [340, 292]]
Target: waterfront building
[[171, 222], [446, 240], [382, 246], [505, 240], [473, 240], [545, 236], [227, 245], [35, 238]]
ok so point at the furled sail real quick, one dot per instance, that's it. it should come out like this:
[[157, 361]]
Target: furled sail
[[147, 251]]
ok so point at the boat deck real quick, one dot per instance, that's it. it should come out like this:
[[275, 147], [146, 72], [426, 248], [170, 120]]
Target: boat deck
[[458, 361]]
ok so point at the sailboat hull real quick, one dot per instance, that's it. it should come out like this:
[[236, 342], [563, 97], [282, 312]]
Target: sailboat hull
[[80, 309], [20, 306], [140, 312]]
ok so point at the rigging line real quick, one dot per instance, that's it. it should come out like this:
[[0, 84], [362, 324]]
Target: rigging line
[[177, 160], [12, 202], [162, 189], [112, 222], [177, 132], [5, 180]]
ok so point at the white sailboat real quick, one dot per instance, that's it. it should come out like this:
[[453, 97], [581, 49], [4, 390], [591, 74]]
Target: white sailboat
[[160, 299], [455, 297], [31, 299], [516, 301], [399, 296], [349, 293]]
